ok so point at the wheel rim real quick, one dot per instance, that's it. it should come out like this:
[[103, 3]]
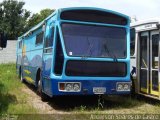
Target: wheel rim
[[21, 78], [39, 86]]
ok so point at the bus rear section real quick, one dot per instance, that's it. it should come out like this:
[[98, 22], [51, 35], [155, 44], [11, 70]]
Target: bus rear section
[[90, 53]]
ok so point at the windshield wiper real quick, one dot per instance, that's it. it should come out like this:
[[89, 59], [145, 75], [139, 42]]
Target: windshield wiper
[[111, 54], [89, 50]]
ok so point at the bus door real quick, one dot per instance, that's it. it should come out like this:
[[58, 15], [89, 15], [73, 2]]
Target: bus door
[[154, 63], [149, 65], [144, 62], [47, 57]]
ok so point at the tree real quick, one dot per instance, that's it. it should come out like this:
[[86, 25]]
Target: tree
[[38, 17], [13, 18]]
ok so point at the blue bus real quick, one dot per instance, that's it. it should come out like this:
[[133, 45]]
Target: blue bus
[[77, 51]]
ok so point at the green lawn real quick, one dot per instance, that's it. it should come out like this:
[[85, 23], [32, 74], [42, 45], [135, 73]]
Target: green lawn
[[12, 99]]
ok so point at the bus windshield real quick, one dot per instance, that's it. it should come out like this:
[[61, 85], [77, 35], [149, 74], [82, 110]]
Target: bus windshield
[[94, 41]]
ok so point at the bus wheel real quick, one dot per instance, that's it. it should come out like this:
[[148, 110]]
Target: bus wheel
[[19, 74], [44, 97], [133, 86], [39, 87], [21, 77]]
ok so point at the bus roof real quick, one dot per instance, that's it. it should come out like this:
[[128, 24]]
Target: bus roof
[[146, 21], [93, 8], [65, 9]]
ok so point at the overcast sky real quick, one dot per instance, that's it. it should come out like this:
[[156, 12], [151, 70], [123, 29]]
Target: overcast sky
[[142, 9]]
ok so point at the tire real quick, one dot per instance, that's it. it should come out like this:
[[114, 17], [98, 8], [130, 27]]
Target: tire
[[21, 77], [43, 96], [19, 74], [132, 87]]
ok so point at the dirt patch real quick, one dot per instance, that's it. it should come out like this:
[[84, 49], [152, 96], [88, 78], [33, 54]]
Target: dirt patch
[[89, 105], [42, 107]]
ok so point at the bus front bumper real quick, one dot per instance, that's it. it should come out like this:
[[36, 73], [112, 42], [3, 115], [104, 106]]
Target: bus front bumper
[[89, 87]]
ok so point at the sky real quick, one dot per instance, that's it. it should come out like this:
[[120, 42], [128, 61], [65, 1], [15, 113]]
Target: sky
[[142, 9]]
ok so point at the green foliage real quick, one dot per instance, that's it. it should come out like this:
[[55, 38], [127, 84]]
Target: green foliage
[[13, 18], [12, 99], [38, 17]]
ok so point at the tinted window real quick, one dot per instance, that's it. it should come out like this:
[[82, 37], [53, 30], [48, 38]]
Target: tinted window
[[59, 57], [93, 16], [39, 38], [94, 41], [155, 50], [132, 38], [49, 38], [143, 52]]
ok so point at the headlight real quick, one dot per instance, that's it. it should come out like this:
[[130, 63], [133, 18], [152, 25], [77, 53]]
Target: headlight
[[76, 87], [120, 87], [126, 87], [123, 86], [68, 87]]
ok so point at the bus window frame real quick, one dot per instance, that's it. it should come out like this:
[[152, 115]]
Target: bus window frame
[[94, 24]]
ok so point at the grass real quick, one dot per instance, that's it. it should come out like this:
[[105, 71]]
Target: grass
[[12, 99], [122, 105]]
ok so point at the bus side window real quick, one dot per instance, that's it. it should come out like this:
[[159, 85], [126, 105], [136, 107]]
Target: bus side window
[[49, 38], [39, 38], [132, 43], [49, 41]]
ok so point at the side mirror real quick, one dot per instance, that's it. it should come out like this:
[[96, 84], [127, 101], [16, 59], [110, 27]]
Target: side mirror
[[3, 40]]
